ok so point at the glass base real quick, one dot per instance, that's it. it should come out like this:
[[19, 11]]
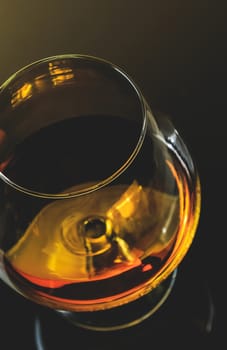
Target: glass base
[[187, 315], [187, 319], [124, 316]]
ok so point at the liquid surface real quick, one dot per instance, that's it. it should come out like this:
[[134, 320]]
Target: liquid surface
[[82, 252]]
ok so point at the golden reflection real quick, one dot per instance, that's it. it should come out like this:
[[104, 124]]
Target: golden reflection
[[59, 75], [127, 205], [22, 94]]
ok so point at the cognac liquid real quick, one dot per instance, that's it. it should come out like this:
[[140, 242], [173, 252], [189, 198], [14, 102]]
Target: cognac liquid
[[80, 252]]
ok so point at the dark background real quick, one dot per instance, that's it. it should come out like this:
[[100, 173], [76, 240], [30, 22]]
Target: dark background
[[176, 51]]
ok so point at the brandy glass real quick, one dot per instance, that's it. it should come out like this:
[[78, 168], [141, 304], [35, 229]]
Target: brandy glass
[[100, 198]]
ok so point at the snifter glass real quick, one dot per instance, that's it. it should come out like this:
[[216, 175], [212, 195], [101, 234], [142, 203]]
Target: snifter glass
[[100, 198]]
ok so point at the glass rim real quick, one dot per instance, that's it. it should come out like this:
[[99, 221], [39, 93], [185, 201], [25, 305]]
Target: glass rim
[[123, 167]]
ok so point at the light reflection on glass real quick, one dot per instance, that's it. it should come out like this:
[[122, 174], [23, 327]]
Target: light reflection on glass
[[60, 75], [22, 94]]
